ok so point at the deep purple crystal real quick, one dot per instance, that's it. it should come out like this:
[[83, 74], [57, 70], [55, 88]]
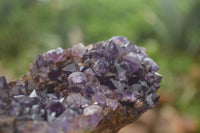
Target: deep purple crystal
[[57, 107], [83, 89]]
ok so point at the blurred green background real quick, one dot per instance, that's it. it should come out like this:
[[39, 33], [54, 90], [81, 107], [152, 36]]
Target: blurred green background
[[169, 29]]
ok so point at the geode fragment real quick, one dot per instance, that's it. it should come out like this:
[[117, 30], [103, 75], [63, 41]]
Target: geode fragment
[[93, 89]]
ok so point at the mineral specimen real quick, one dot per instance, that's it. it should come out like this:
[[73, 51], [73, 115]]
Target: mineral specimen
[[93, 89]]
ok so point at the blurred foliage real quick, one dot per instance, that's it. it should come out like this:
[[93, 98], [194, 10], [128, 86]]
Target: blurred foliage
[[169, 29]]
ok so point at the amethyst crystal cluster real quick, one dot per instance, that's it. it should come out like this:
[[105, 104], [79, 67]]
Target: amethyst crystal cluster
[[97, 88]]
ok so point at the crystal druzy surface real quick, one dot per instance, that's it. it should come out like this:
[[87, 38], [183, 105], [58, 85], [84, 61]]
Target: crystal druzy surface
[[97, 88]]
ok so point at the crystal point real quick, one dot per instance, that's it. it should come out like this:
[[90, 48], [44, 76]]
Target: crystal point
[[3, 83], [77, 78]]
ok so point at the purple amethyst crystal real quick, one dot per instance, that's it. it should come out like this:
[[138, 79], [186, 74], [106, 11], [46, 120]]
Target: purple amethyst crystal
[[119, 40], [57, 107], [54, 55], [3, 83], [100, 66], [81, 90], [77, 78]]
